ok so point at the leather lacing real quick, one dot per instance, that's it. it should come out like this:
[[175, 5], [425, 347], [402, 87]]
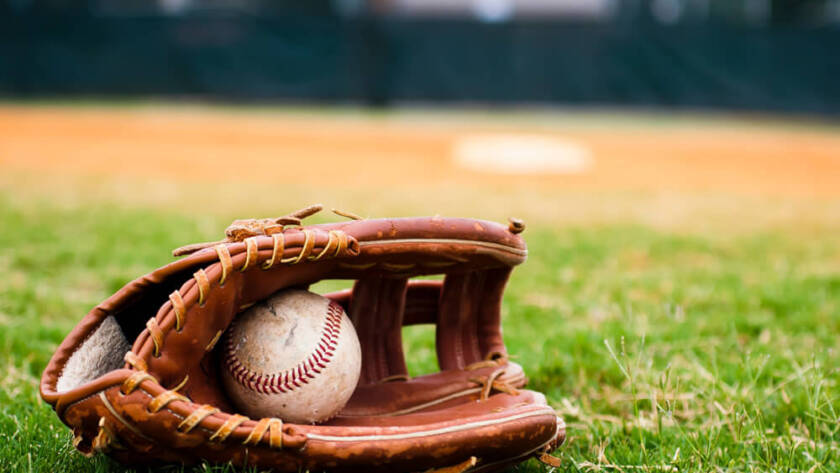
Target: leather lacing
[[179, 308], [228, 427], [493, 383], [203, 283], [337, 243], [394, 378], [240, 230], [106, 439], [162, 400], [458, 468], [547, 458], [213, 341], [196, 417], [274, 427], [544, 455]]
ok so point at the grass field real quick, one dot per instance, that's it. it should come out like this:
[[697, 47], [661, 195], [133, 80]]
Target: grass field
[[674, 329]]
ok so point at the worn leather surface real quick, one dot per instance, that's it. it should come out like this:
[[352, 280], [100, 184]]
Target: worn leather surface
[[475, 406]]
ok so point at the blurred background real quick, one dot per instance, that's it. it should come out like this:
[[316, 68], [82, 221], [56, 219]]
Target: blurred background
[[677, 163], [602, 101], [770, 55]]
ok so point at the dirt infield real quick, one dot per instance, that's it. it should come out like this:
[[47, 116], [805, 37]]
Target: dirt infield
[[349, 150]]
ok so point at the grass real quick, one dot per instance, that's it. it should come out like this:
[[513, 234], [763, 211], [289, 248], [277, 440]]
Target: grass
[[664, 350]]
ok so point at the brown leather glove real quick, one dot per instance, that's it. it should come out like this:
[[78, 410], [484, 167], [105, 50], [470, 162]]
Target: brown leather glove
[[138, 378]]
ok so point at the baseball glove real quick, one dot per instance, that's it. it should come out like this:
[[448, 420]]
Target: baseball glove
[[138, 378]]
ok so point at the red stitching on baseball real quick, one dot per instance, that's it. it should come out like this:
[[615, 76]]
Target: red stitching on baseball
[[297, 376]]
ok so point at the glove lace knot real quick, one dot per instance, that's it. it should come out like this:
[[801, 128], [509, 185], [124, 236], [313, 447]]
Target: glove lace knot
[[241, 230], [493, 383]]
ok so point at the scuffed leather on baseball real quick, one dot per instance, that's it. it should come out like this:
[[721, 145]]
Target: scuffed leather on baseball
[[294, 356]]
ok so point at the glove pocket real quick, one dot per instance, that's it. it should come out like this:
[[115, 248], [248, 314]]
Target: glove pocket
[[495, 433]]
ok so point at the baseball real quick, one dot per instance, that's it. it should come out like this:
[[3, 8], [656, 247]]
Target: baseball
[[294, 356]]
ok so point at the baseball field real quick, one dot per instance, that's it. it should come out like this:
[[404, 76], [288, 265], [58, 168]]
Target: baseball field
[[680, 306]]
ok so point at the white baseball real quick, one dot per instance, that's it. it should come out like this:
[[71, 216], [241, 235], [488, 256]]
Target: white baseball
[[294, 356]]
